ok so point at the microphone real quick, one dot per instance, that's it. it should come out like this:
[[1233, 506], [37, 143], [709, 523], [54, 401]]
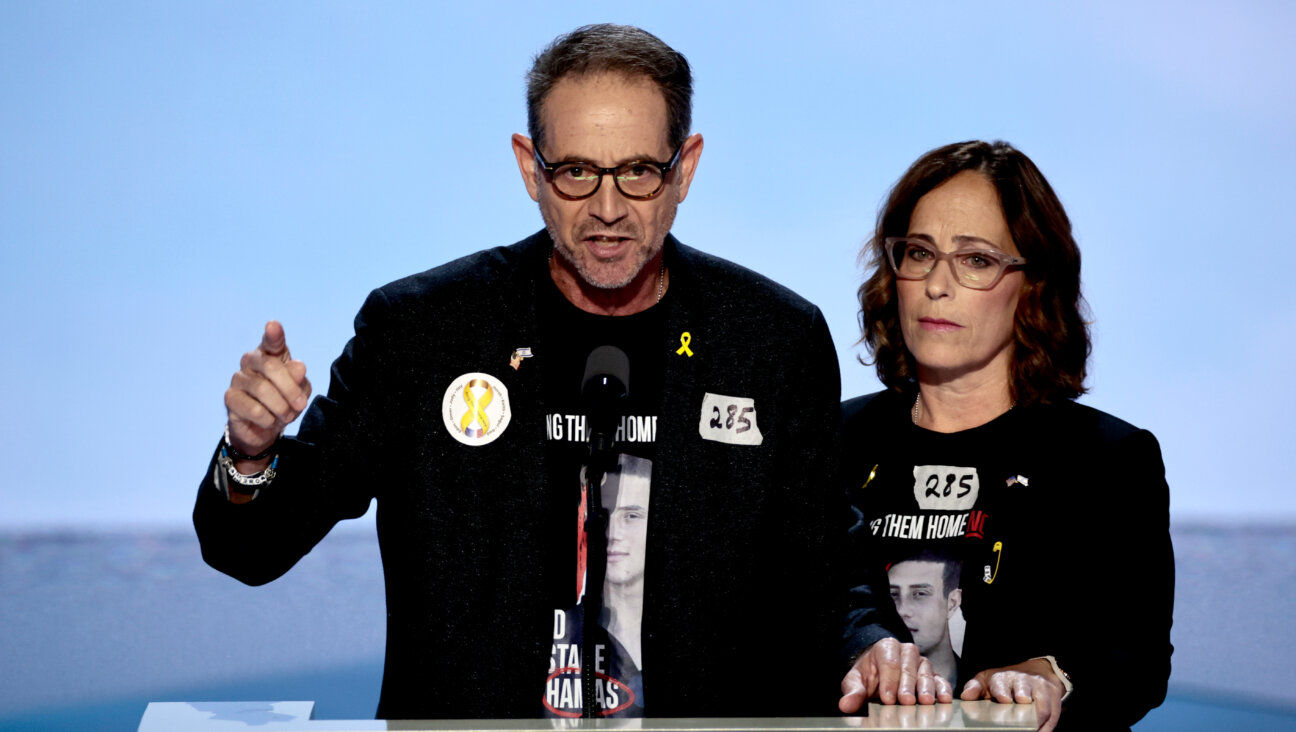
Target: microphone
[[604, 394]]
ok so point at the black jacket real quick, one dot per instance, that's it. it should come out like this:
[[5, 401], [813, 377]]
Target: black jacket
[[742, 614]]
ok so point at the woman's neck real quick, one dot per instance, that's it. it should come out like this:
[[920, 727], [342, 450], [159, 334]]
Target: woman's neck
[[955, 406]]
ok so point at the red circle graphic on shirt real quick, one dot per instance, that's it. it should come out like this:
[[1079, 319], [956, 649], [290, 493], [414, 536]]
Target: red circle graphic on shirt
[[629, 693]]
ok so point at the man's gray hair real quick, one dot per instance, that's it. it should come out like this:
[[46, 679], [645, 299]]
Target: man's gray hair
[[623, 49]]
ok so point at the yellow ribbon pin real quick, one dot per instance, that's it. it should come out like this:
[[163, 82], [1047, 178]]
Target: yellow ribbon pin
[[476, 409], [685, 339]]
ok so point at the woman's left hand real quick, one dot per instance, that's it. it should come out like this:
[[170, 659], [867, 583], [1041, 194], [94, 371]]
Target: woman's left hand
[[1023, 683]]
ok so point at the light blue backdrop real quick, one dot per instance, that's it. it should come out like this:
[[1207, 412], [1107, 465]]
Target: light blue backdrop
[[174, 174]]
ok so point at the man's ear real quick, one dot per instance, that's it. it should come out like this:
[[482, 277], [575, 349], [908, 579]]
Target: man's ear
[[688, 163], [524, 150], [953, 602]]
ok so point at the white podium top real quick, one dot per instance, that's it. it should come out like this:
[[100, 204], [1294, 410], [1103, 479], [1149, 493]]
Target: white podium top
[[299, 717]]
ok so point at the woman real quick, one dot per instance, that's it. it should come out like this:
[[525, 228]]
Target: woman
[[1059, 512]]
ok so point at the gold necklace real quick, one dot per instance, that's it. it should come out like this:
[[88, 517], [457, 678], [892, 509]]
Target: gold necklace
[[914, 413], [661, 290]]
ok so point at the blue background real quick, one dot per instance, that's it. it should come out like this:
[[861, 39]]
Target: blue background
[[172, 175]]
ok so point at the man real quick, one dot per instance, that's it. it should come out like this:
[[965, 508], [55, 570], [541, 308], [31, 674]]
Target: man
[[926, 594], [458, 406]]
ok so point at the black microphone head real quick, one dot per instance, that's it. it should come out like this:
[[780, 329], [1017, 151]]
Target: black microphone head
[[604, 393], [607, 375]]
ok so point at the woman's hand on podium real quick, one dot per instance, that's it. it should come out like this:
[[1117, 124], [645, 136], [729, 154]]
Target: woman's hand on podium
[[893, 673], [1023, 683]]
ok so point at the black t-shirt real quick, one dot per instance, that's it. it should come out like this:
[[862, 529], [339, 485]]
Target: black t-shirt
[[921, 499], [922, 490], [1069, 518], [570, 334]]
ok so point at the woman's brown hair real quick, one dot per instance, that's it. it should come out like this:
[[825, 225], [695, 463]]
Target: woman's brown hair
[[1051, 334]]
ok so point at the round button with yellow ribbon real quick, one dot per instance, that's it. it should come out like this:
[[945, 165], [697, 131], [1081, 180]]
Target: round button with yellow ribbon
[[476, 408]]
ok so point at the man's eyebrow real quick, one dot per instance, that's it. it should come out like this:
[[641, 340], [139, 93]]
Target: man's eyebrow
[[567, 159], [629, 507]]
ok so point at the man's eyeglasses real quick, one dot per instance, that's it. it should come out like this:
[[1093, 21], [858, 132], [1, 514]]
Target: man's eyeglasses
[[979, 269], [639, 179]]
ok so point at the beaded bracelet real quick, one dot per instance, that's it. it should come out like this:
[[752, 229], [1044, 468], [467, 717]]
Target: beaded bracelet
[[255, 479], [244, 484]]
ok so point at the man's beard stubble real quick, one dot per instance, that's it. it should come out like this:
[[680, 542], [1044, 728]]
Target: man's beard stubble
[[581, 260]]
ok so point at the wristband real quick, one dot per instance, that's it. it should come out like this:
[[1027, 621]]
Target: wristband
[[245, 484], [229, 480]]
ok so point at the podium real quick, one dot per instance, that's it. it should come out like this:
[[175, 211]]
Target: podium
[[299, 717]]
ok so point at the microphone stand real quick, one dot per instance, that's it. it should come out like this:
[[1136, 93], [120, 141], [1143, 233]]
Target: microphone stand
[[604, 390], [596, 524]]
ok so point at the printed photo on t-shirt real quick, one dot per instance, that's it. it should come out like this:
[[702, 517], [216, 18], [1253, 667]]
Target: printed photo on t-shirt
[[615, 640], [925, 588]]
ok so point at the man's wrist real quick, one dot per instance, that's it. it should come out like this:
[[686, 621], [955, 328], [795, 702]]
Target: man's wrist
[[240, 478], [242, 457]]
